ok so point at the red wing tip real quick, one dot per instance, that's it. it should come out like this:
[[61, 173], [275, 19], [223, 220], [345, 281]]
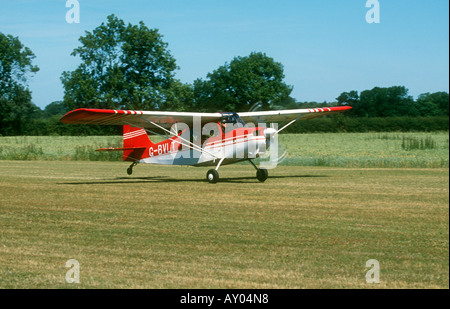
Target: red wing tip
[[346, 107], [329, 109], [86, 112], [337, 108]]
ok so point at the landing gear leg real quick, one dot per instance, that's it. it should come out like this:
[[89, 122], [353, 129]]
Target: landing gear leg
[[130, 169], [213, 175], [261, 173]]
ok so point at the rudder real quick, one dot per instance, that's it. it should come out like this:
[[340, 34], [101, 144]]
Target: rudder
[[136, 139]]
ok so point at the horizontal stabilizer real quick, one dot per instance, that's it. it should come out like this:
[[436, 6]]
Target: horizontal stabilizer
[[120, 149]]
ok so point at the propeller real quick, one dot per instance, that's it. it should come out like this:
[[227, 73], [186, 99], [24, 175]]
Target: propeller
[[275, 153], [272, 153]]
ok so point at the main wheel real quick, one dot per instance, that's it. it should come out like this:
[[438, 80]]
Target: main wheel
[[262, 174], [212, 176]]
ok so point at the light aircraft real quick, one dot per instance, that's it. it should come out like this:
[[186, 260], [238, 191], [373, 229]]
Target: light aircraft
[[198, 139]]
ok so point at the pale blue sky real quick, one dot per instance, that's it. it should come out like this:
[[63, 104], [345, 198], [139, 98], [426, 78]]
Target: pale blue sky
[[326, 46]]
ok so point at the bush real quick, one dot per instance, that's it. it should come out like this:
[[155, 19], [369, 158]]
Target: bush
[[341, 123]]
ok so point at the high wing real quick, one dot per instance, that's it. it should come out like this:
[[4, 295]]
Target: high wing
[[159, 119], [279, 116], [142, 119]]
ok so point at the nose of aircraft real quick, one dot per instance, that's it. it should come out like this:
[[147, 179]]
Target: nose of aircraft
[[268, 132]]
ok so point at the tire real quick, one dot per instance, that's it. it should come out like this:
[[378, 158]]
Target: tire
[[212, 176], [262, 174]]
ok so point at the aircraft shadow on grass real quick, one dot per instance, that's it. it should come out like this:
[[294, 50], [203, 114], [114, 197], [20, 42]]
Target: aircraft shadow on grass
[[135, 180]]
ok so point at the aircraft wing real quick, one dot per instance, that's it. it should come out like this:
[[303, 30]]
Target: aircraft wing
[[141, 119], [158, 119], [287, 115]]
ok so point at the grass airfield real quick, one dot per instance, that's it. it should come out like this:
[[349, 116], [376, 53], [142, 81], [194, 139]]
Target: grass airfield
[[166, 227]]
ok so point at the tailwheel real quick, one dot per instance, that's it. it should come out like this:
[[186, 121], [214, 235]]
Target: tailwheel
[[212, 176], [130, 168], [262, 174]]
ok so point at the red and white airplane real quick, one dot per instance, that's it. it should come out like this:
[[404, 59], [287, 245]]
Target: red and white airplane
[[199, 139]]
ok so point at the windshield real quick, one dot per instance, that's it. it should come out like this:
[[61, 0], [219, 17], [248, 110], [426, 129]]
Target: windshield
[[232, 118]]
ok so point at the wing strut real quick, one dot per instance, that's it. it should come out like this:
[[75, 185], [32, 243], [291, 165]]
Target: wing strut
[[287, 125]]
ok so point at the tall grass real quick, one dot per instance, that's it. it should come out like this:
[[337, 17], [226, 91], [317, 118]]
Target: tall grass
[[25, 152], [66, 148], [413, 143], [367, 150], [89, 153], [359, 150]]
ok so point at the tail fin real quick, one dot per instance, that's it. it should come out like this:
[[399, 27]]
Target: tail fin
[[135, 143]]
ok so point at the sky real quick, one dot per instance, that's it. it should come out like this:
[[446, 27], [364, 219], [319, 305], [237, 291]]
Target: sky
[[326, 46]]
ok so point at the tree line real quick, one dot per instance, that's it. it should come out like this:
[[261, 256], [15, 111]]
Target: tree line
[[125, 66]]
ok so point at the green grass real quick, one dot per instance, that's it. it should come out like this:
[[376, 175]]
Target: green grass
[[73, 148], [373, 150], [366, 150], [166, 227]]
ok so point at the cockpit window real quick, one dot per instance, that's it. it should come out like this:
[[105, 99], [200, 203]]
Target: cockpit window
[[232, 118]]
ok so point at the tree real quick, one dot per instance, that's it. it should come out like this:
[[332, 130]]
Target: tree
[[179, 97], [16, 66], [351, 99], [148, 68], [433, 104], [123, 66], [379, 102], [240, 84], [55, 108], [388, 102], [348, 98], [285, 103]]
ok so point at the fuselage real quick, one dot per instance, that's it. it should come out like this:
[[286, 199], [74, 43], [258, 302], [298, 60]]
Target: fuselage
[[232, 145]]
